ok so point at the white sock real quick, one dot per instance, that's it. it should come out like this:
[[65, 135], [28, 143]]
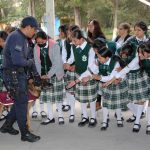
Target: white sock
[[132, 107], [41, 107], [105, 114], [69, 98], [65, 101], [118, 113], [93, 109], [34, 107], [72, 105], [83, 109], [145, 106], [148, 117], [50, 111], [59, 107], [138, 115]]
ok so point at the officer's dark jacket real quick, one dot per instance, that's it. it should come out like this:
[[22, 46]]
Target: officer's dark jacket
[[16, 51]]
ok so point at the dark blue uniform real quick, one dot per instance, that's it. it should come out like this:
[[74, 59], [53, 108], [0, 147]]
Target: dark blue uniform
[[16, 58]]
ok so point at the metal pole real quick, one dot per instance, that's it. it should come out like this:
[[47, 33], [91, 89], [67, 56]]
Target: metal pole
[[50, 14]]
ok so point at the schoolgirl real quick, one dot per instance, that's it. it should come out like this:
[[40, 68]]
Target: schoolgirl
[[65, 49], [114, 96], [123, 34], [86, 89], [49, 65], [140, 36], [137, 82], [144, 55]]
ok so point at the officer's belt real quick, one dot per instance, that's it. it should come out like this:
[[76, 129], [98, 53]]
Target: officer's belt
[[18, 70]]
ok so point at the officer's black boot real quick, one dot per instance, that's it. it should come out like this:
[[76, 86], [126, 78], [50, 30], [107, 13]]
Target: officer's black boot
[[29, 137], [8, 128]]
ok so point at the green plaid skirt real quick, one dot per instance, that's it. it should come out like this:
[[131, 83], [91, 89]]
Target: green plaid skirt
[[115, 96], [56, 94], [137, 87], [70, 76], [86, 93]]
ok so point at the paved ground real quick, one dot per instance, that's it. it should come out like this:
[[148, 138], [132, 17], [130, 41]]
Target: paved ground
[[71, 137]]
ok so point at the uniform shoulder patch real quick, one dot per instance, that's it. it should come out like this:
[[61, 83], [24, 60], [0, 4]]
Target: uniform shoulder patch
[[18, 48]]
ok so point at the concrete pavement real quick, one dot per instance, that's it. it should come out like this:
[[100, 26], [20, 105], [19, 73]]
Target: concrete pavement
[[71, 137]]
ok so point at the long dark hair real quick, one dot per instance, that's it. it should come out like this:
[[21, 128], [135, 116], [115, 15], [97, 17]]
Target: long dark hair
[[105, 52], [77, 34], [41, 34], [142, 25], [97, 31], [64, 29]]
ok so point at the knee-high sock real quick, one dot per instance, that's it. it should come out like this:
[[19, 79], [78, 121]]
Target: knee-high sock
[[148, 117], [145, 106], [50, 110], [93, 109], [83, 109], [118, 113], [138, 114], [72, 105], [132, 107], [59, 107], [41, 106], [69, 98], [34, 107], [105, 114]]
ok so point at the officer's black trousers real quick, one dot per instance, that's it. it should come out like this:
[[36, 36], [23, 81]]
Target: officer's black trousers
[[18, 111]]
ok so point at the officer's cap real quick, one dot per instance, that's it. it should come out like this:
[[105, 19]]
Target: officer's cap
[[29, 20]]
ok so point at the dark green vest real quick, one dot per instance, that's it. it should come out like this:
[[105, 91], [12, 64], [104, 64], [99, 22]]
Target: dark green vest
[[146, 66], [81, 58], [106, 70], [46, 63]]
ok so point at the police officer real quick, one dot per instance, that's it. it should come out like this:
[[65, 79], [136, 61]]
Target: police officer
[[15, 63]]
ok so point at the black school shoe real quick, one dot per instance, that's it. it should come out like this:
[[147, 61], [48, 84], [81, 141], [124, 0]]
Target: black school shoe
[[119, 123], [148, 131], [92, 122], [132, 119], [83, 122], [43, 114], [136, 129], [143, 115], [71, 118], [103, 128], [29, 137], [61, 120], [8, 128], [48, 121], [115, 115], [66, 108]]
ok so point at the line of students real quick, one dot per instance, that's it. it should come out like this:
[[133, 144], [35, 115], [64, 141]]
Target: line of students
[[88, 69]]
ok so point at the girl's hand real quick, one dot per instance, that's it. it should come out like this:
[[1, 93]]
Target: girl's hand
[[109, 82], [66, 66], [117, 81], [96, 77], [85, 79], [71, 84], [72, 68], [118, 69], [44, 77]]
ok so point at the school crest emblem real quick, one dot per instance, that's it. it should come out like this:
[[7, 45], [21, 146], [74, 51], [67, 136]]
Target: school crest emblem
[[84, 58]]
